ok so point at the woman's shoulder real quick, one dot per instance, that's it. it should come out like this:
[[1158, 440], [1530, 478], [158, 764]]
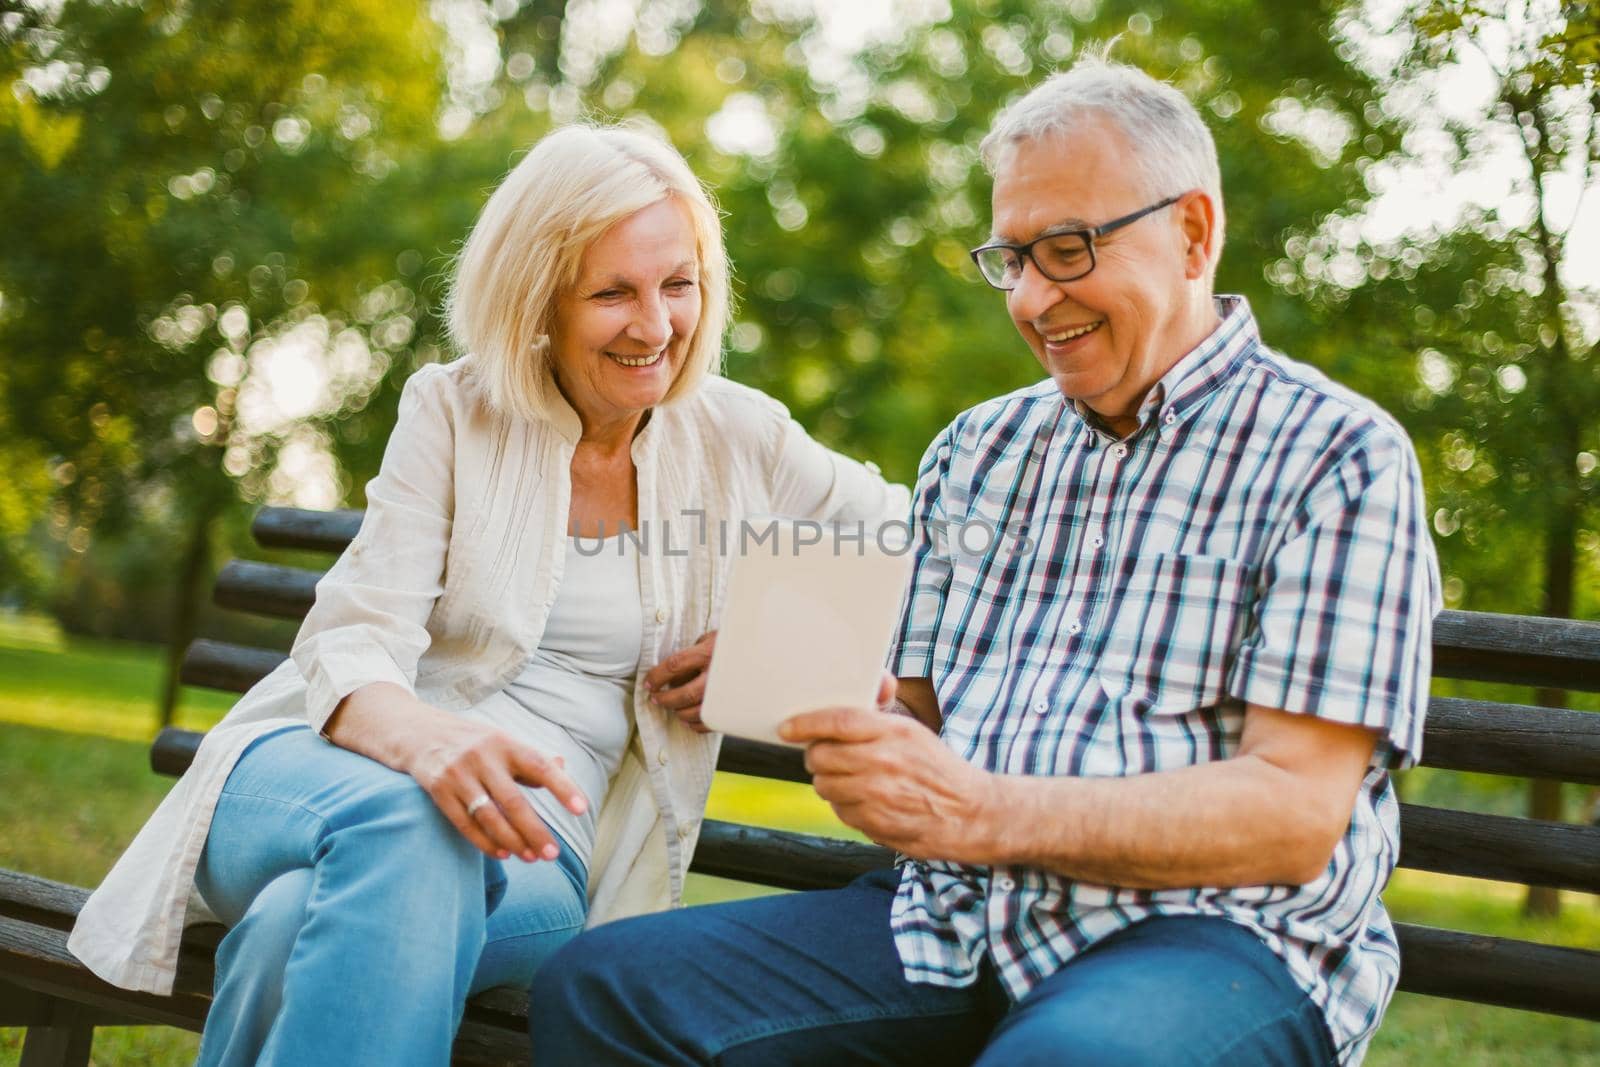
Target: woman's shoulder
[[441, 381], [734, 408], [448, 393]]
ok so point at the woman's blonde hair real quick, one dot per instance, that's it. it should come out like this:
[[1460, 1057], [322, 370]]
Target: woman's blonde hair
[[526, 248]]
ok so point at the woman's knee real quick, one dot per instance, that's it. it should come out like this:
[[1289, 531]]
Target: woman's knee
[[394, 805], [542, 909], [256, 949]]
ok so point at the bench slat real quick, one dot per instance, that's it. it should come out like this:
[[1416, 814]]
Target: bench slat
[[1500, 848], [782, 858], [1467, 844], [1500, 971], [1468, 645], [20, 1007], [316, 531], [1446, 963], [1521, 740], [226, 666], [266, 589], [1461, 735], [41, 912], [1482, 646], [36, 958]]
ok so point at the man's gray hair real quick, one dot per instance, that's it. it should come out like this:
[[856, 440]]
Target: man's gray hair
[[1171, 140]]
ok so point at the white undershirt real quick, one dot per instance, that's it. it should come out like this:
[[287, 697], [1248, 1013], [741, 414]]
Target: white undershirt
[[574, 696]]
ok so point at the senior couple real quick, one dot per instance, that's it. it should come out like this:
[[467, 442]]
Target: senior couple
[[1138, 774]]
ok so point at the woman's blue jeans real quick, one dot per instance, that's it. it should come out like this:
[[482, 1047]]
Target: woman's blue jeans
[[814, 978], [360, 919]]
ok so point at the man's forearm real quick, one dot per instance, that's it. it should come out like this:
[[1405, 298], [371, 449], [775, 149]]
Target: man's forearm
[[1234, 822]]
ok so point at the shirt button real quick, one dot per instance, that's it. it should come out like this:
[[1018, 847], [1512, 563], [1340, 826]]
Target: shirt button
[[684, 830], [1120, 451], [661, 757], [1074, 627], [1040, 707], [1098, 542], [661, 615], [1005, 884], [1170, 418]]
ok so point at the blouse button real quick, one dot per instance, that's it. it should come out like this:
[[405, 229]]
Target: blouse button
[[661, 757], [661, 615]]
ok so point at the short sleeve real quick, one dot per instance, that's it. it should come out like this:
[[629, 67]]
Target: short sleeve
[[922, 609], [1343, 622]]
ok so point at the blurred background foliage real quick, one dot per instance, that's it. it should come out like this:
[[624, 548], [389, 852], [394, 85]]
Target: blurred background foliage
[[225, 230]]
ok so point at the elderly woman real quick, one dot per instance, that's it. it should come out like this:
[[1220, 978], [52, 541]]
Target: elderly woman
[[462, 762]]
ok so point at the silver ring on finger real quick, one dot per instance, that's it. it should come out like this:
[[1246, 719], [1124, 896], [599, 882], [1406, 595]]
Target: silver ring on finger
[[482, 800]]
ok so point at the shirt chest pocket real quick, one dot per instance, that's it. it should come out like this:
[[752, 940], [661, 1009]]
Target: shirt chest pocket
[[1172, 634]]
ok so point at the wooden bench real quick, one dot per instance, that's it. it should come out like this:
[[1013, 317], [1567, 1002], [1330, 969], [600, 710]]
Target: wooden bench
[[44, 988]]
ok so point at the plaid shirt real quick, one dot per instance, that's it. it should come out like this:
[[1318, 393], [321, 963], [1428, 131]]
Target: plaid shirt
[[1093, 606]]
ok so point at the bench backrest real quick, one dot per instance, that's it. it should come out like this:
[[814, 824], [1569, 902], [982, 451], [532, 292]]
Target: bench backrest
[[1464, 735]]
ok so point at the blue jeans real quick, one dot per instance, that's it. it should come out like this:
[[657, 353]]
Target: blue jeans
[[360, 918], [813, 978]]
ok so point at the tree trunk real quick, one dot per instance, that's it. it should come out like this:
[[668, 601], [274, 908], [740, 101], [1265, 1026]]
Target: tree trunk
[[1545, 797], [192, 577], [1565, 419]]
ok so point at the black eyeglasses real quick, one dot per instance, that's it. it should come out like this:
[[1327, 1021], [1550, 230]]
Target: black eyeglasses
[[1062, 257]]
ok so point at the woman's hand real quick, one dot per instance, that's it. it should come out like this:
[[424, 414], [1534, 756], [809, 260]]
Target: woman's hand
[[678, 683], [471, 770], [462, 762]]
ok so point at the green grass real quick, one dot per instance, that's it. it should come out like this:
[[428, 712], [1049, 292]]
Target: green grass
[[76, 718]]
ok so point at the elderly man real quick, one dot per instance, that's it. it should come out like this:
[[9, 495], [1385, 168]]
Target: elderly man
[[1141, 789]]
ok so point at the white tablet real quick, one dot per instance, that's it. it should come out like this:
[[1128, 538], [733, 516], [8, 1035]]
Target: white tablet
[[807, 624]]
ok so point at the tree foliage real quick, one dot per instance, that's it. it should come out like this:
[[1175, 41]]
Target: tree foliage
[[180, 182]]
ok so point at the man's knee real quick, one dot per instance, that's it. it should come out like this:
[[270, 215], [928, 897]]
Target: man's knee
[[620, 993], [581, 997], [1063, 1042], [1170, 991], [593, 971]]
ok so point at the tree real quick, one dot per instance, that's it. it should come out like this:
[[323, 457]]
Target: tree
[[190, 189], [1505, 391]]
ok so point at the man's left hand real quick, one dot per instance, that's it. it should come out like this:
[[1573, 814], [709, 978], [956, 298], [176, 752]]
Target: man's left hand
[[891, 777]]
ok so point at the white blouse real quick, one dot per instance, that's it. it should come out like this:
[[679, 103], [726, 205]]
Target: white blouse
[[446, 591]]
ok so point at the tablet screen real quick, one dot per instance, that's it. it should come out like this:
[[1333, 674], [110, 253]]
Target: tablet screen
[[807, 624]]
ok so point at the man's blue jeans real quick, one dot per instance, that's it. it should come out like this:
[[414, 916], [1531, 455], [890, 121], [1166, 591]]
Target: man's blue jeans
[[814, 979], [360, 918]]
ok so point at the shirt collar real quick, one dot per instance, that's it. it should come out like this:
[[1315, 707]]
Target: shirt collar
[[564, 419], [1196, 375]]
